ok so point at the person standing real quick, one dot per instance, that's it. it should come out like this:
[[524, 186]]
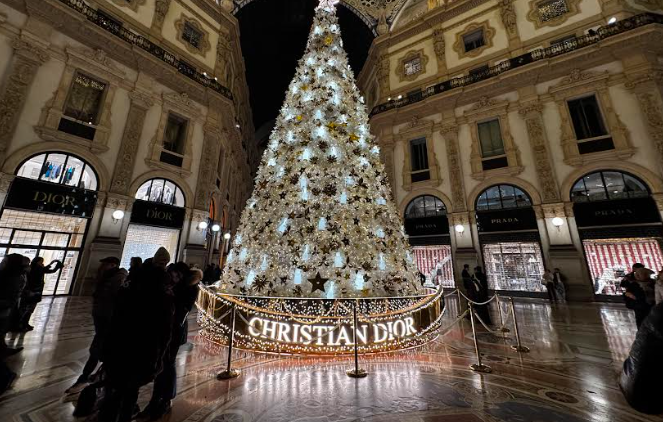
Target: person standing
[[482, 280], [635, 297], [109, 279], [560, 284], [134, 264], [33, 291], [138, 340], [13, 278], [549, 282], [185, 282]]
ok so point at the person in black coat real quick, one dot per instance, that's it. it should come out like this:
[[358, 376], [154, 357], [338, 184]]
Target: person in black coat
[[33, 291], [13, 278], [642, 373], [635, 297], [165, 384], [482, 296]]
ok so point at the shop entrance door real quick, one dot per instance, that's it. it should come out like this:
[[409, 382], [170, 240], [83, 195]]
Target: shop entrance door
[[514, 266], [143, 241], [53, 237]]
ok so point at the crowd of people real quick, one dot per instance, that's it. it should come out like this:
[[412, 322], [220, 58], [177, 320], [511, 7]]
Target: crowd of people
[[641, 291], [140, 321], [555, 284]]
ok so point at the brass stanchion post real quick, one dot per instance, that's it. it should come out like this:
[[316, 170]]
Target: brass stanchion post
[[356, 372], [517, 347], [477, 367], [229, 372], [502, 327]]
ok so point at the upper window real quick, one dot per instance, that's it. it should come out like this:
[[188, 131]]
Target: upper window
[[552, 9], [588, 125], [192, 35], [425, 206], [162, 191], [490, 137], [174, 136], [59, 168], [85, 99], [606, 185], [419, 160], [474, 40], [502, 197], [412, 67]]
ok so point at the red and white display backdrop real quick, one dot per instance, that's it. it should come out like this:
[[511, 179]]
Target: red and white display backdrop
[[436, 264], [610, 259]]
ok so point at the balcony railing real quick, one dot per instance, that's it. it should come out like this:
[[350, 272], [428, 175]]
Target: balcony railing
[[112, 26], [541, 54]]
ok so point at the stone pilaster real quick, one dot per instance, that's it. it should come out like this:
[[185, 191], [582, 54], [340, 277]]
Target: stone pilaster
[[439, 46], [160, 10], [538, 141], [450, 135], [383, 70], [126, 159], [28, 57], [508, 14], [208, 163]]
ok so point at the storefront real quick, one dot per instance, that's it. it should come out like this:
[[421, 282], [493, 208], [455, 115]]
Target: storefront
[[427, 227], [47, 212], [619, 224], [157, 218], [509, 241]]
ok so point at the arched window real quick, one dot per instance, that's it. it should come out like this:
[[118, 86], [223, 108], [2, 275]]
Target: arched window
[[162, 191], [503, 197], [425, 206], [608, 185], [60, 168]]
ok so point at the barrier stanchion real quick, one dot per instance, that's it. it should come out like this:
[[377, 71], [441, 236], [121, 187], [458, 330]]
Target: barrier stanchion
[[477, 367], [229, 372], [502, 327], [356, 372], [518, 347]]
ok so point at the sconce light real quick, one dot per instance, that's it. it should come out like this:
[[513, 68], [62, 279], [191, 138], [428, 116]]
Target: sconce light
[[117, 216], [612, 20], [216, 228], [226, 236], [202, 225], [460, 229], [557, 222]]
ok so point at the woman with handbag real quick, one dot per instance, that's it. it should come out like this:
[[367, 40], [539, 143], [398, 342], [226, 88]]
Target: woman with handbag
[[33, 290]]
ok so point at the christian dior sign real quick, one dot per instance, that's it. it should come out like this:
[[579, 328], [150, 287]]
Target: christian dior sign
[[33, 195]]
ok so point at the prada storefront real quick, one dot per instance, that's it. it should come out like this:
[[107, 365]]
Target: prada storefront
[[619, 225], [427, 227], [47, 212], [157, 218], [509, 240]]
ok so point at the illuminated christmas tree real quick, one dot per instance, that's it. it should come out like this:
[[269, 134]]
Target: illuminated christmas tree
[[321, 221]]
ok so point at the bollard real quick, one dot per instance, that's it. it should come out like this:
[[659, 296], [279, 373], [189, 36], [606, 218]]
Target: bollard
[[477, 367], [518, 347], [229, 372], [356, 372], [502, 327]]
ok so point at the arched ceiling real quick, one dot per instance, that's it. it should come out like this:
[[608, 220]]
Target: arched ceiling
[[273, 36]]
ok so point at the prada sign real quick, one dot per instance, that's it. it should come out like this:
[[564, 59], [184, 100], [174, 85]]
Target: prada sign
[[155, 214], [616, 213], [33, 195], [506, 220], [427, 226]]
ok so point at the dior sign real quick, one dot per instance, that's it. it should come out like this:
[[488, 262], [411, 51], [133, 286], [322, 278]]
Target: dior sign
[[159, 215], [33, 195]]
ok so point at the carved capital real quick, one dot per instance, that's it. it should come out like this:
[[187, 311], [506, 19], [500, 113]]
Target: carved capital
[[29, 50], [160, 10]]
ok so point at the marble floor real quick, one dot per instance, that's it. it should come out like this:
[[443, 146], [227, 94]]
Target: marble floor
[[569, 376]]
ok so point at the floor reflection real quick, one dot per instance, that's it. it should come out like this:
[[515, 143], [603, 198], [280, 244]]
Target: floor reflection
[[569, 376]]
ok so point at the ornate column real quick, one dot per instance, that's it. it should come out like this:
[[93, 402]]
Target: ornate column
[[538, 141], [160, 10], [126, 158], [450, 135], [508, 13], [439, 46], [28, 57], [647, 88], [383, 70]]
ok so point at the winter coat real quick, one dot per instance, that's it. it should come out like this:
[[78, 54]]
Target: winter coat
[[141, 329], [36, 276], [105, 292], [643, 369], [185, 296], [12, 282], [659, 291]]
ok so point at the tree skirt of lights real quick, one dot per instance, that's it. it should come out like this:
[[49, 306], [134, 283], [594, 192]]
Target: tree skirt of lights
[[319, 326]]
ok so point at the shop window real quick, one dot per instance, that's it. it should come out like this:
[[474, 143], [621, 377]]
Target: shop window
[[435, 263], [589, 126], [425, 206], [191, 35], [492, 145], [83, 106], [501, 197], [514, 266], [552, 9], [419, 160], [59, 168], [161, 191], [473, 40], [608, 185], [412, 67]]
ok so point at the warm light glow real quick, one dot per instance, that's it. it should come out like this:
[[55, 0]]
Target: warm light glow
[[459, 228], [118, 215], [557, 222], [216, 228], [612, 20], [202, 225], [226, 236]]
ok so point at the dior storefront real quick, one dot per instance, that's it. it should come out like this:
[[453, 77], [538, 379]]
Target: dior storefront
[[157, 218], [47, 213], [509, 240]]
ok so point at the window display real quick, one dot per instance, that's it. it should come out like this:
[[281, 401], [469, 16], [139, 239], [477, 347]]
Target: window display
[[435, 263], [514, 266]]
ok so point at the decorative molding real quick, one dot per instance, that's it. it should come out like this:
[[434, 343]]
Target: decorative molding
[[160, 11], [553, 210], [533, 14], [650, 4], [205, 45], [6, 181], [409, 56], [209, 161], [439, 46], [488, 36], [647, 89], [383, 71], [130, 4], [508, 17], [449, 133], [419, 128]]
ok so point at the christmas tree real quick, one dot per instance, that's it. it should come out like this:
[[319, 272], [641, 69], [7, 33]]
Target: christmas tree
[[321, 221]]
